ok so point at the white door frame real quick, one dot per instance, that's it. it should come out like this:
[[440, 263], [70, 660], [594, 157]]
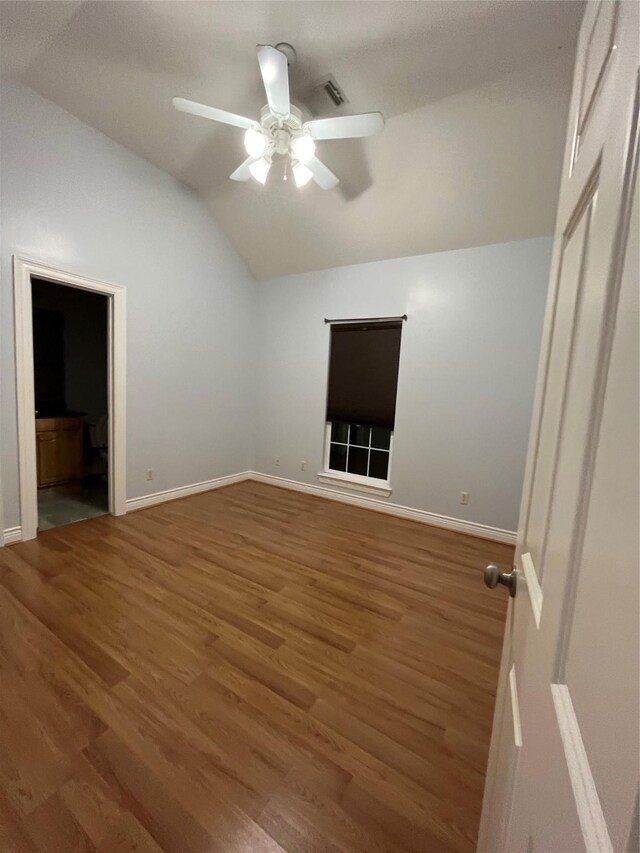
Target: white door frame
[[23, 270]]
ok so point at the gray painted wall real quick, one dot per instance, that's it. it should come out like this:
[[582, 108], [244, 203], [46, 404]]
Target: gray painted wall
[[467, 371], [74, 199]]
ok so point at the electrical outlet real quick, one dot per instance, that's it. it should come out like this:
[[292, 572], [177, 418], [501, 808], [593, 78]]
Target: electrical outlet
[[149, 473], [464, 498], [277, 461], [303, 465]]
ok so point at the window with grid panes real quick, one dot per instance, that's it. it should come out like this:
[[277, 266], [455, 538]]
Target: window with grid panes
[[361, 400], [359, 449]]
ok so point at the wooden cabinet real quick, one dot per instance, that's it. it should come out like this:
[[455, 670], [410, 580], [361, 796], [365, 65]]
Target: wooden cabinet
[[59, 450]]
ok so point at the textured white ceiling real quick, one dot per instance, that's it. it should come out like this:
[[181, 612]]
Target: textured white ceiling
[[474, 93]]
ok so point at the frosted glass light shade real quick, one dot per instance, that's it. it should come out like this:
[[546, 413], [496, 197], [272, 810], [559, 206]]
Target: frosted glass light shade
[[303, 148], [260, 170], [301, 174], [255, 143]]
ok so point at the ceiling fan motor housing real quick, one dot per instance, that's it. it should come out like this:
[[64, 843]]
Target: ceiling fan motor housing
[[293, 122], [279, 131]]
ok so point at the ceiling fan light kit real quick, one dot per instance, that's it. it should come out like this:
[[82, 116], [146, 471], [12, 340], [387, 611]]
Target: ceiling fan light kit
[[281, 129], [255, 143], [260, 169], [301, 174], [303, 148]]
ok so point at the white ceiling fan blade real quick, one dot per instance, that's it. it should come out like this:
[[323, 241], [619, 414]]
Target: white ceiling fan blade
[[243, 172], [345, 127], [212, 113], [322, 175], [275, 76]]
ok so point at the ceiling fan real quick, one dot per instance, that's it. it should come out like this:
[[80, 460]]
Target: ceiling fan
[[281, 130]]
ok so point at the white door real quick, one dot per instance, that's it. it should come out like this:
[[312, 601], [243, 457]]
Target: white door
[[563, 768]]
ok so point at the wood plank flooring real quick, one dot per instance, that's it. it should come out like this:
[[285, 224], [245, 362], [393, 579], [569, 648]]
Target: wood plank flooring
[[250, 669]]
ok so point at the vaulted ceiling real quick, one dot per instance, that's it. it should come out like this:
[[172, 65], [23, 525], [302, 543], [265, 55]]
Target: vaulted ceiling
[[474, 93]]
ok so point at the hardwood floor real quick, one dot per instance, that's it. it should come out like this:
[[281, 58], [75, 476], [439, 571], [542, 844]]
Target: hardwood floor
[[250, 669]]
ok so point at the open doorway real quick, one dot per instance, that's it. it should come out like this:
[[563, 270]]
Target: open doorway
[[70, 360], [71, 368]]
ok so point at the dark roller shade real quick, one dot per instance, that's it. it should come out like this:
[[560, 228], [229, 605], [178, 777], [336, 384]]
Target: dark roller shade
[[363, 373]]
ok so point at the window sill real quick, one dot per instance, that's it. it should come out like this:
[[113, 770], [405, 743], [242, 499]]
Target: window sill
[[367, 485]]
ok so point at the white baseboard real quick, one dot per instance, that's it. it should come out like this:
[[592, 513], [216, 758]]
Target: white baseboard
[[12, 535], [185, 491], [458, 525]]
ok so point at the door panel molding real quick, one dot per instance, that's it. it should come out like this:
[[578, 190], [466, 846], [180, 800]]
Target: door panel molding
[[582, 219], [600, 382], [575, 243], [604, 24], [515, 706], [534, 589], [589, 808]]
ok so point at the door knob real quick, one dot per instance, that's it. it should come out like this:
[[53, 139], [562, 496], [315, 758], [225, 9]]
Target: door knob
[[493, 576]]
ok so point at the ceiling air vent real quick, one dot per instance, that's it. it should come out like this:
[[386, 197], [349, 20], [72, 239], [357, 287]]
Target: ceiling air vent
[[326, 96], [334, 92]]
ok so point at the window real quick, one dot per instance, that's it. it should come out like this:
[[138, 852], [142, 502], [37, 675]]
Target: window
[[361, 404], [358, 449]]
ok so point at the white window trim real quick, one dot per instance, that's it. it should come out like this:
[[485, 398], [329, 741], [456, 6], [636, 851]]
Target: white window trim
[[368, 485], [356, 482]]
